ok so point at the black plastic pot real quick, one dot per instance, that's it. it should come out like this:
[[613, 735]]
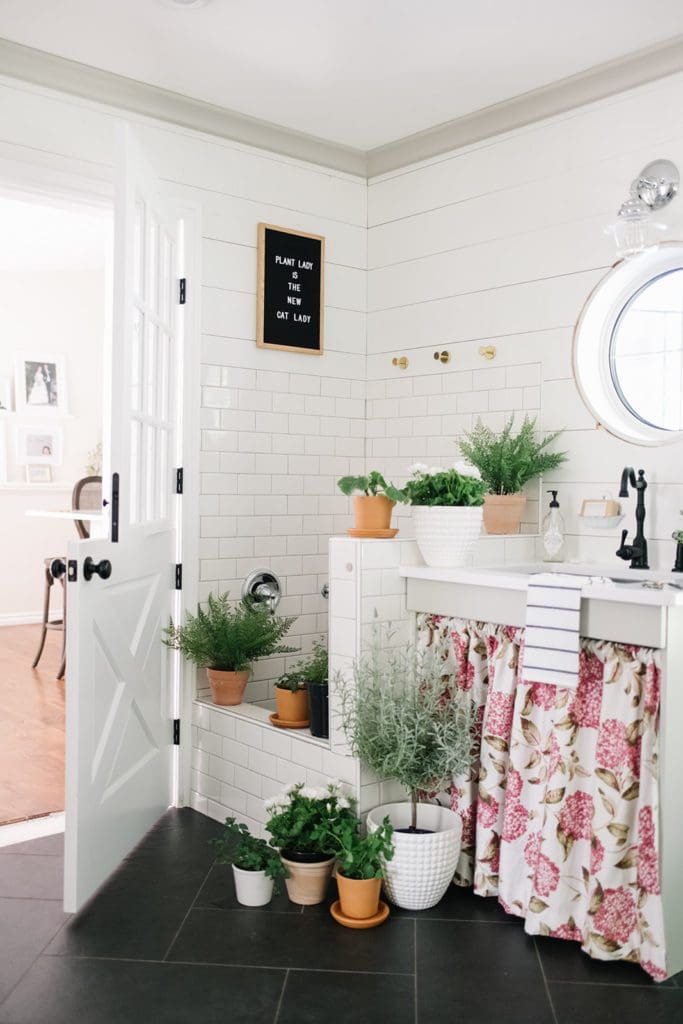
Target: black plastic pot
[[319, 703]]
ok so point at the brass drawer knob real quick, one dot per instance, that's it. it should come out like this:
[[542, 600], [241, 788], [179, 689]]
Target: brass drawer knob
[[401, 362]]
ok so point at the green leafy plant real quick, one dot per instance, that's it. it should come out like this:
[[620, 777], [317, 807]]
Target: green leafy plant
[[508, 460], [306, 820], [237, 846], [451, 487], [405, 720], [230, 637], [360, 856], [370, 485], [310, 671]]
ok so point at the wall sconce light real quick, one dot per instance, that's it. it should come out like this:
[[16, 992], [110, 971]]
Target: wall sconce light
[[655, 187]]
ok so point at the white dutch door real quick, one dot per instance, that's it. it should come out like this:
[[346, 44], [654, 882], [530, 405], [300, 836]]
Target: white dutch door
[[120, 679]]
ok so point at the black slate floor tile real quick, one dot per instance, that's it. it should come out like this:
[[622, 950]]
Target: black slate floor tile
[[564, 961], [290, 940], [26, 926], [60, 990], [46, 846], [26, 876], [310, 998], [479, 972], [614, 1004], [218, 893], [180, 834]]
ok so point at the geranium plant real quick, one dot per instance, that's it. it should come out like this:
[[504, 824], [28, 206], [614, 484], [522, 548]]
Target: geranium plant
[[305, 819], [309, 671], [456, 486], [361, 857], [370, 486], [238, 847]]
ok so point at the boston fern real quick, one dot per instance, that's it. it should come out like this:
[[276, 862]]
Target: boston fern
[[370, 486], [237, 846], [507, 460], [229, 638]]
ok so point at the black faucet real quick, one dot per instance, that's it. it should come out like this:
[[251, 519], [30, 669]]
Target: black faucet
[[637, 551]]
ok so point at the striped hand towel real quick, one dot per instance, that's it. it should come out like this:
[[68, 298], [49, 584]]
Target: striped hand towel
[[551, 640]]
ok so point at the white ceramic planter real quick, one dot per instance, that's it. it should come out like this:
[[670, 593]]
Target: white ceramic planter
[[252, 888], [423, 866], [446, 536]]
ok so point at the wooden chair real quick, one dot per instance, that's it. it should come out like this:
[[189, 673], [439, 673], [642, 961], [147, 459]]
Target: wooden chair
[[86, 495]]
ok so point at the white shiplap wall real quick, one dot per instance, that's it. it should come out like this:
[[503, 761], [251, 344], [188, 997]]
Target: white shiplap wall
[[500, 243]]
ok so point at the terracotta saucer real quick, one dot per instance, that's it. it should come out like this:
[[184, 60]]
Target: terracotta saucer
[[362, 922], [353, 532], [282, 724]]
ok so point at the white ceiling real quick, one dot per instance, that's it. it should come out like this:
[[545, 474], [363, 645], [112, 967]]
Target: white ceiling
[[356, 72], [37, 237]]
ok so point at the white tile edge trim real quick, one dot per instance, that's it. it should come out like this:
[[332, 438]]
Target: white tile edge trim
[[34, 828], [261, 716]]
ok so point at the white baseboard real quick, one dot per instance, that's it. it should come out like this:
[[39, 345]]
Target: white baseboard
[[33, 828], [26, 618]]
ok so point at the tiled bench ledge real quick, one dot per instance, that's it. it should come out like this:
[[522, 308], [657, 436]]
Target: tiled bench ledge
[[239, 760]]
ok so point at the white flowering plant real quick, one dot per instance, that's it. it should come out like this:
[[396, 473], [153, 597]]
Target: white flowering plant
[[305, 819], [458, 485]]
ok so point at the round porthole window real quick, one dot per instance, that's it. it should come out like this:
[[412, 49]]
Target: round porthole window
[[628, 348]]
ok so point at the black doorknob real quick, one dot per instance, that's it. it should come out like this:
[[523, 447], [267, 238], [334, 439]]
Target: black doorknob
[[57, 567], [101, 569]]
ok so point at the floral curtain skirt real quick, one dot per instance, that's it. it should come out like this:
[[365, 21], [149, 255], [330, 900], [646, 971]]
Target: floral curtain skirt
[[560, 810]]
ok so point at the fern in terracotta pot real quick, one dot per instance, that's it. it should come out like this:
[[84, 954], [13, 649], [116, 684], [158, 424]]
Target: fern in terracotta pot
[[373, 503], [226, 639], [507, 461]]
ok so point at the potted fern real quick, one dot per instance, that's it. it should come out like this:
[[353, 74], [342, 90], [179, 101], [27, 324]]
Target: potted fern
[[507, 461], [256, 866], [226, 639], [447, 511], [405, 721], [373, 503]]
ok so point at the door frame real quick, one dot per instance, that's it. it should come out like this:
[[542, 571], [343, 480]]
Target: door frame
[[84, 186]]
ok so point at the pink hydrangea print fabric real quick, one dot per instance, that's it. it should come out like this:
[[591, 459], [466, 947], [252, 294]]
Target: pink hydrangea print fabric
[[560, 809]]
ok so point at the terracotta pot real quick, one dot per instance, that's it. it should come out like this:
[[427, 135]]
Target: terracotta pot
[[503, 512], [372, 512], [227, 687], [292, 705], [359, 897], [308, 880]]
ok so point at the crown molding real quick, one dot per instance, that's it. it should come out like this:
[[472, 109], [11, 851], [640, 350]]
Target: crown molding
[[589, 86], [45, 69]]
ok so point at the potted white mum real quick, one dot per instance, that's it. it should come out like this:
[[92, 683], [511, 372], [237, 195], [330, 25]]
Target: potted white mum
[[447, 511]]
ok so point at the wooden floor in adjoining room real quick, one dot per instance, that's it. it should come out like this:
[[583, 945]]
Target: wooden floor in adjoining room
[[32, 743]]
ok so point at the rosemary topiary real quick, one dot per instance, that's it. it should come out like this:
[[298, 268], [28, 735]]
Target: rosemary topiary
[[230, 637], [404, 720], [507, 461]]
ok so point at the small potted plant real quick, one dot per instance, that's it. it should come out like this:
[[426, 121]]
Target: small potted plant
[[291, 700], [256, 866], [225, 639], [447, 512], [307, 677], [373, 503], [302, 823], [507, 461], [405, 721], [361, 864]]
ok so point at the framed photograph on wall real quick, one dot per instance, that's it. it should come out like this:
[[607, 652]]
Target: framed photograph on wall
[[38, 474], [5, 394], [3, 454], [39, 445], [40, 384]]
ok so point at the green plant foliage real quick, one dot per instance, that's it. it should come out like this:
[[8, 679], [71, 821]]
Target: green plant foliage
[[364, 856], [445, 487], [507, 460], [370, 485], [237, 846], [310, 671], [306, 820], [230, 637], [404, 718]]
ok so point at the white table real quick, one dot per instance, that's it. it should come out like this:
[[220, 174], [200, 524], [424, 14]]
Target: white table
[[98, 520]]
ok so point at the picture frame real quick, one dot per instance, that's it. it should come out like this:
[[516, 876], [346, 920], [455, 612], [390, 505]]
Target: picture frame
[[3, 454], [290, 290], [38, 474], [39, 445], [5, 395], [40, 384]]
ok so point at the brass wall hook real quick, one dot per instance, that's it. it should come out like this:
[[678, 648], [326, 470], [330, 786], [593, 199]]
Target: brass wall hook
[[443, 357], [488, 351], [401, 362]]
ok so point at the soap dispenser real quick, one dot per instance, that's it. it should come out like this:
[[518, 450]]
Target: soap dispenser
[[553, 532]]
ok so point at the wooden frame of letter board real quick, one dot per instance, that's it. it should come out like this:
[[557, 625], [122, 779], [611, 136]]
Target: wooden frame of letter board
[[261, 288]]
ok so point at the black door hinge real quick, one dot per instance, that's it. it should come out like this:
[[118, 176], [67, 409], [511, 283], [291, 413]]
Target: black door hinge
[[179, 576], [179, 480], [176, 732], [182, 291], [115, 508]]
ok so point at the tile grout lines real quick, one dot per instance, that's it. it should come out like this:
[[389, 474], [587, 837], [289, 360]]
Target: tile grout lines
[[415, 966], [282, 996], [545, 982], [191, 906]]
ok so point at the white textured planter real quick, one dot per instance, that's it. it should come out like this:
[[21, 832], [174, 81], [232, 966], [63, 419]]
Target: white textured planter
[[252, 888], [446, 536], [423, 866]]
